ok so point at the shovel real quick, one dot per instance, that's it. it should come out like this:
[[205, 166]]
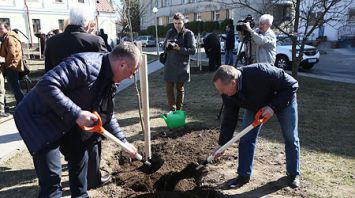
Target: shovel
[[148, 167], [259, 119]]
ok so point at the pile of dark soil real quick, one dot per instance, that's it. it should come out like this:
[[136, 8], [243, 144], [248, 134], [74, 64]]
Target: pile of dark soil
[[180, 151]]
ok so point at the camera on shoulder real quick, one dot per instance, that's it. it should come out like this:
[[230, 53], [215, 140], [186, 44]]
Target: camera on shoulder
[[241, 27]]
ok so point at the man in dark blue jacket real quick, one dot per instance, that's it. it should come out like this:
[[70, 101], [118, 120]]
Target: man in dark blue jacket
[[76, 39], [64, 99], [254, 87]]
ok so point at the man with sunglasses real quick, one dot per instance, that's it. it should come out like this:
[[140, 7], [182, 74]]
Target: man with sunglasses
[[63, 100]]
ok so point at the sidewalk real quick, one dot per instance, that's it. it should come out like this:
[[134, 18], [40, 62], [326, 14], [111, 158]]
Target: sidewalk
[[10, 139]]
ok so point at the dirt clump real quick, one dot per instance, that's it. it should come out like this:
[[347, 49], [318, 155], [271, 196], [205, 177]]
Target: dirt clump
[[178, 175]]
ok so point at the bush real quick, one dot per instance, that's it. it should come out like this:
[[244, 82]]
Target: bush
[[211, 26], [195, 26], [224, 23]]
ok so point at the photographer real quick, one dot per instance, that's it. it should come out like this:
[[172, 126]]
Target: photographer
[[263, 40], [179, 45]]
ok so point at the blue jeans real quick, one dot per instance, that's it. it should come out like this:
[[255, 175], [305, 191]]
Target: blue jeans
[[228, 57], [288, 119], [12, 79], [49, 169]]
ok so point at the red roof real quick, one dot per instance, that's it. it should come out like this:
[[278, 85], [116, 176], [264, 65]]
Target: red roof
[[104, 6]]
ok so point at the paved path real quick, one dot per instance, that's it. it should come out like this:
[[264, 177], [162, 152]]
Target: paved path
[[10, 139]]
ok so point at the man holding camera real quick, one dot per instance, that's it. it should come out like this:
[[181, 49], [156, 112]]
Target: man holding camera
[[179, 45], [263, 40]]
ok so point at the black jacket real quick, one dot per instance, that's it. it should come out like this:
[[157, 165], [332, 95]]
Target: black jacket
[[229, 40], [73, 40], [211, 44], [50, 109], [261, 84]]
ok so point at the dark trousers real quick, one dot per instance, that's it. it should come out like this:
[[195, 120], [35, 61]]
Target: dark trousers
[[13, 80], [180, 91], [214, 60], [94, 174], [49, 169]]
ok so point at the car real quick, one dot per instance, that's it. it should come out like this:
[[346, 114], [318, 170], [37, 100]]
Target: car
[[284, 54], [146, 40], [161, 43]]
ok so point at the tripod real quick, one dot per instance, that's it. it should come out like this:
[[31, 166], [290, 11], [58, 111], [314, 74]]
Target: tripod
[[248, 60]]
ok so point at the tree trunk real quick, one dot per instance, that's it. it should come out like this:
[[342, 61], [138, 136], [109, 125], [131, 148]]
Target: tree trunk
[[294, 40]]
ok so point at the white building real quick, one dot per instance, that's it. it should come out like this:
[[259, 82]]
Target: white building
[[204, 10], [209, 10], [33, 16]]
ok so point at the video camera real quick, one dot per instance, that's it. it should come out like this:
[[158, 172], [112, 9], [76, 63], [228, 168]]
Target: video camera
[[241, 24]]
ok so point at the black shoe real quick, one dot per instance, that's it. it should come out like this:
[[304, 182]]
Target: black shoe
[[105, 179], [294, 181], [237, 182]]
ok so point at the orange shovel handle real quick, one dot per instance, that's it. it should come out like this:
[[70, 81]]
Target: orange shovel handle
[[96, 128], [259, 119]]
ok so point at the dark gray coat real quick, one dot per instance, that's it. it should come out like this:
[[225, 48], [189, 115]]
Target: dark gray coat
[[177, 65]]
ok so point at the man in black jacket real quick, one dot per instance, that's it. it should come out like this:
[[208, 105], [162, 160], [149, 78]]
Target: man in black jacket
[[213, 50], [104, 36], [254, 87], [75, 39], [229, 44]]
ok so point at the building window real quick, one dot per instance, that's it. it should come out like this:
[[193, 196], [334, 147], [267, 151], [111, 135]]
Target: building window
[[81, 1], [215, 15], [36, 24], [61, 24], [352, 15], [197, 17], [5, 20]]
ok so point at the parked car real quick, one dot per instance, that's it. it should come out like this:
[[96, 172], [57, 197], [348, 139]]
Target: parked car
[[284, 54], [161, 43], [146, 40]]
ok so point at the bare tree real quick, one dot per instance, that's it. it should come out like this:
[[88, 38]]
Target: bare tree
[[306, 17], [130, 13]]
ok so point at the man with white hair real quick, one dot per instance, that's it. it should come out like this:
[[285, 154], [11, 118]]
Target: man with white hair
[[263, 40], [75, 39]]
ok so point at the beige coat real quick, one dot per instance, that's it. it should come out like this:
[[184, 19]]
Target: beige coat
[[12, 51]]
